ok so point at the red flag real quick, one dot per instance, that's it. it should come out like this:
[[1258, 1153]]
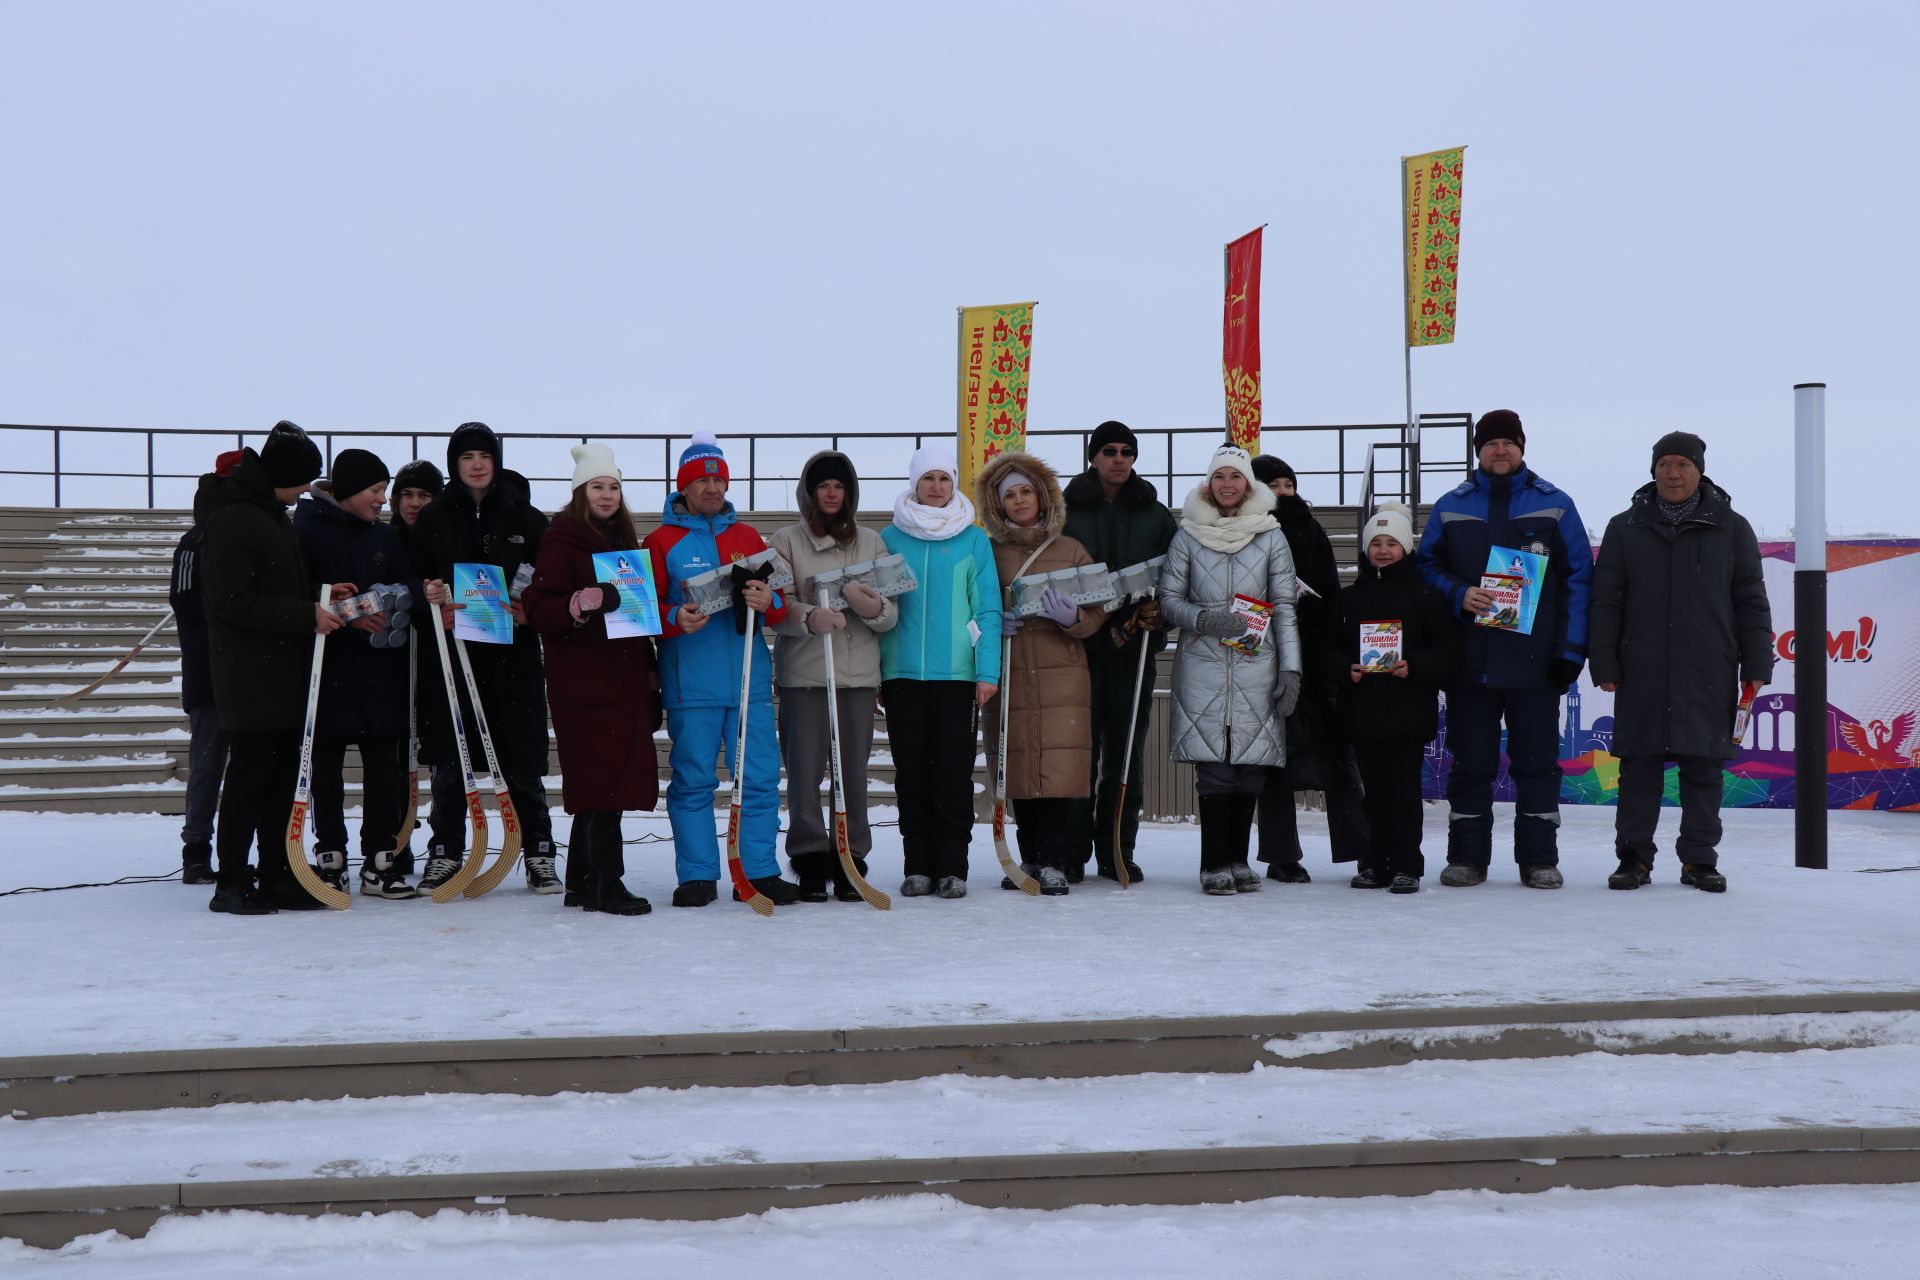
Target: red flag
[[1240, 341]]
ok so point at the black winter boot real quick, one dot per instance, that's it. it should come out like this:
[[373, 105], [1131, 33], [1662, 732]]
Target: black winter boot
[[236, 896], [1216, 817], [1239, 838], [777, 891], [694, 893], [196, 863]]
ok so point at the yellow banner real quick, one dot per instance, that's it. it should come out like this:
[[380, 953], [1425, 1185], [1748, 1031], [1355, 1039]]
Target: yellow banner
[[1430, 199], [996, 356]]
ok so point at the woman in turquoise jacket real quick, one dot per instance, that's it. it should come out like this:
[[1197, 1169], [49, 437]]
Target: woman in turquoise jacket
[[937, 666]]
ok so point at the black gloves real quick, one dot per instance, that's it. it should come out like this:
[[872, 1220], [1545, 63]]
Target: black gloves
[[742, 575], [1562, 672]]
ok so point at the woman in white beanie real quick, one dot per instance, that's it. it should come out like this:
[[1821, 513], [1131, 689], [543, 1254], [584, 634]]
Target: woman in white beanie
[[937, 665], [604, 693], [1232, 690]]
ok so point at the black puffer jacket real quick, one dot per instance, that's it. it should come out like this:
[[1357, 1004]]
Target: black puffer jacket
[[1135, 526], [1385, 708], [259, 604], [1680, 619], [363, 690], [504, 530], [189, 613]]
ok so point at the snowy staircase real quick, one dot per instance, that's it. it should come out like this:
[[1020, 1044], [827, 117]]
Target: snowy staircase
[[1040, 1115]]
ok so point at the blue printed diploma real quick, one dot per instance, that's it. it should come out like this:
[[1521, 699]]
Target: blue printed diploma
[[482, 588], [639, 611]]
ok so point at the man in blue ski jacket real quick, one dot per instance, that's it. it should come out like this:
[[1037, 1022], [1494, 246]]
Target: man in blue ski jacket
[[1505, 674], [700, 661]]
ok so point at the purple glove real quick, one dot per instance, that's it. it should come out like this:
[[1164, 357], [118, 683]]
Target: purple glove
[[1058, 609]]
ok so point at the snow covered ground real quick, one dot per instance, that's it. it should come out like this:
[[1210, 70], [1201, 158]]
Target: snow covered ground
[[1630, 1233], [147, 966]]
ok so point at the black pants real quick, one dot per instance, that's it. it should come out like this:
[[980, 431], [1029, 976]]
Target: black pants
[[1474, 712], [383, 801], [1390, 771], [596, 850], [1045, 831], [256, 800], [1642, 783], [930, 729], [449, 814], [1280, 824], [1091, 829]]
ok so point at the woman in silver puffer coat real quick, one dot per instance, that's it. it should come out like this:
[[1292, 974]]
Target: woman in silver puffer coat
[[1230, 706]]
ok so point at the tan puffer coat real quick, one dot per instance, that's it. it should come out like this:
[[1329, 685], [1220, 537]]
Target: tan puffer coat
[[1049, 717]]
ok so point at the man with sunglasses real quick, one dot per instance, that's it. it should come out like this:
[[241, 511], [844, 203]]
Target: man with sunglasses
[[1118, 517]]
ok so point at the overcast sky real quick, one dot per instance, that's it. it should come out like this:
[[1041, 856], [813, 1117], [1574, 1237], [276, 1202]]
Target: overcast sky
[[627, 217]]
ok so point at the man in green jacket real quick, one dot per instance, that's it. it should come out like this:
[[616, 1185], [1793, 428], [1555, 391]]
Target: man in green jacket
[[1118, 517]]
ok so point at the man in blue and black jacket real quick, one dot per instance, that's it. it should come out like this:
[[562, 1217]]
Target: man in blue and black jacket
[[1508, 674]]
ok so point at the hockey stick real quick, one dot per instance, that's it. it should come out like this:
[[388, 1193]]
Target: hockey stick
[[303, 789], [1126, 766], [117, 667], [872, 896], [476, 815], [490, 879], [411, 818], [1014, 871], [741, 884]]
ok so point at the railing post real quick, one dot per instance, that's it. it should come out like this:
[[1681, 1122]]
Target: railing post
[[149, 470], [56, 468]]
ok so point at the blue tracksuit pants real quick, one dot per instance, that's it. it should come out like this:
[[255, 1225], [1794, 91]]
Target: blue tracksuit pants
[[699, 734]]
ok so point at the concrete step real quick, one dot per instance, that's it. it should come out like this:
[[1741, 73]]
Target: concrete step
[[104, 698], [170, 743], [25, 678], [50, 777], [97, 658], [110, 637], [82, 720]]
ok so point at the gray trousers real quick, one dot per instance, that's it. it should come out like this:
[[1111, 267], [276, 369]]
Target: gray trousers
[[803, 749], [206, 765]]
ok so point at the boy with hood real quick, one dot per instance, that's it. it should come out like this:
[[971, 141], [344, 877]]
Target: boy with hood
[[700, 660], [485, 517]]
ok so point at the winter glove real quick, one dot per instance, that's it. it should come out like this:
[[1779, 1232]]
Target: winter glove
[[1286, 693], [1223, 624], [1147, 617], [1009, 622], [1059, 610], [742, 575], [609, 600], [1562, 672], [822, 620], [863, 600]]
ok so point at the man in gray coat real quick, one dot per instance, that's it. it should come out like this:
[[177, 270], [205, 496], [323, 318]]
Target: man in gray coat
[[1680, 624]]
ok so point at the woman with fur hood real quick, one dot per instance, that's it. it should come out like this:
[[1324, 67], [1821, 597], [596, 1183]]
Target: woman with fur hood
[[828, 536], [1232, 691], [1049, 692]]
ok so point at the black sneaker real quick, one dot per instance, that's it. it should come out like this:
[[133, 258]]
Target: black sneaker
[[440, 869], [694, 893], [541, 877], [239, 900], [1404, 883], [1630, 874], [331, 866], [1288, 873], [775, 890], [1368, 879], [1705, 878], [196, 864]]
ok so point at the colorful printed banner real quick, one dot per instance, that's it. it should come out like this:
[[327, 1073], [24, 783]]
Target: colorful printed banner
[[1430, 199], [1240, 341], [996, 357], [1870, 725]]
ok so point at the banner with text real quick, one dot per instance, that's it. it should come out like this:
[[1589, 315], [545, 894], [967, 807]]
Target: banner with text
[[996, 357], [1430, 200], [1240, 341]]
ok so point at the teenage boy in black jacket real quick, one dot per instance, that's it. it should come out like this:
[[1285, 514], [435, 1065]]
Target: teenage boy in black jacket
[[1390, 716]]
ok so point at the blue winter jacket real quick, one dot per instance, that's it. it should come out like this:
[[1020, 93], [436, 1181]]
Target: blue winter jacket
[[1526, 513], [703, 669], [958, 585]]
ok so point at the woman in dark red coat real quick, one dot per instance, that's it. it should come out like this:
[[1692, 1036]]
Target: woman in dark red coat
[[603, 694]]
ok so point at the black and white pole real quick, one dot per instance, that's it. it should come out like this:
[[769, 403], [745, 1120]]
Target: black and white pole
[[1810, 625]]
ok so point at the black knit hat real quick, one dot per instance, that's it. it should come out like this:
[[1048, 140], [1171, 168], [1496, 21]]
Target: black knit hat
[[291, 459], [420, 474], [832, 466], [1499, 424], [354, 470], [1680, 444], [1267, 469], [1111, 432], [469, 436]]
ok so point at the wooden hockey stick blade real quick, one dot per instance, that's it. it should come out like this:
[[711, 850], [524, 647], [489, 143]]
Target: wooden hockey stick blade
[[1021, 880], [742, 886], [1119, 856], [411, 818], [868, 894], [476, 852], [489, 880], [303, 871]]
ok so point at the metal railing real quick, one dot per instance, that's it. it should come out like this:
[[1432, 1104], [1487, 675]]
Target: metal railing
[[1175, 457]]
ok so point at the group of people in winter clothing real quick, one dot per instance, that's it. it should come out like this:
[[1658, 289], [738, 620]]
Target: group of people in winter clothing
[[1269, 695]]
